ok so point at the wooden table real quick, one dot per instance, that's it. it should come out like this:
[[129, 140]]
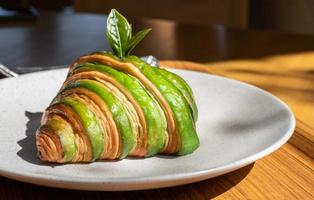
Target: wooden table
[[245, 55]]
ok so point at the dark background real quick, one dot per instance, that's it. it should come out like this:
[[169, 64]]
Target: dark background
[[293, 16]]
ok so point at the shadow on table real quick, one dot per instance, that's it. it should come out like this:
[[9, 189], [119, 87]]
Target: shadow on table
[[207, 189]]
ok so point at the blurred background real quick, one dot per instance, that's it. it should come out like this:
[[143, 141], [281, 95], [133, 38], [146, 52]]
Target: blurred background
[[295, 16], [198, 30]]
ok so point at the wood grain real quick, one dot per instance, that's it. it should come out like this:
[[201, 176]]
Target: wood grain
[[289, 77]]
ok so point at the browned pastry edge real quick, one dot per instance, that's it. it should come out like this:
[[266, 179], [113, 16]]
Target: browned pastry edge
[[141, 147], [173, 144], [84, 152], [112, 144], [49, 145]]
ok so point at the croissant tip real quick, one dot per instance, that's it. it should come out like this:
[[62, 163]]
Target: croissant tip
[[48, 146]]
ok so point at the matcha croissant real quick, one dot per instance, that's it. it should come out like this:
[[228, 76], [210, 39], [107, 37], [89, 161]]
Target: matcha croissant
[[114, 105]]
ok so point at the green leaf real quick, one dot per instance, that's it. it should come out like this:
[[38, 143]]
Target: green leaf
[[119, 32], [136, 39]]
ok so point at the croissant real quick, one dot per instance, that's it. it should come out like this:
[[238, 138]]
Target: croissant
[[115, 105]]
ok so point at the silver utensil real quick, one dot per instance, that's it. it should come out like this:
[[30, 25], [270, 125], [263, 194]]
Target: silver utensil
[[152, 60], [9, 73]]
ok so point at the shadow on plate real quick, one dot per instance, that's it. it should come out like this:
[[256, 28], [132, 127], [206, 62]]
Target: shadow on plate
[[205, 189], [28, 150]]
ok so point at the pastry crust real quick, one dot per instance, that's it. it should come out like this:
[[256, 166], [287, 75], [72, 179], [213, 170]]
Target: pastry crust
[[134, 110], [106, 121], [173, 143]]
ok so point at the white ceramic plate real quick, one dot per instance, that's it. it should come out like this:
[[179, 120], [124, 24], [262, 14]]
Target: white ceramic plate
[[237, 125]]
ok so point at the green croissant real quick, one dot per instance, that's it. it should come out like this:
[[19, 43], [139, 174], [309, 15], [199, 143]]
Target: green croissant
[[114, 105]]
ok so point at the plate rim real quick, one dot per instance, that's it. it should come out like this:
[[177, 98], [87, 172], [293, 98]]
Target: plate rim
[[166, 180]]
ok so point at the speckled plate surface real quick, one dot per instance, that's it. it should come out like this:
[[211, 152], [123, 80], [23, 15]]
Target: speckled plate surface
[[237, 125]]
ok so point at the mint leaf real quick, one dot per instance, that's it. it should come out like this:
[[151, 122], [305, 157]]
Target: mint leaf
[[119, 32], [136, 39]]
